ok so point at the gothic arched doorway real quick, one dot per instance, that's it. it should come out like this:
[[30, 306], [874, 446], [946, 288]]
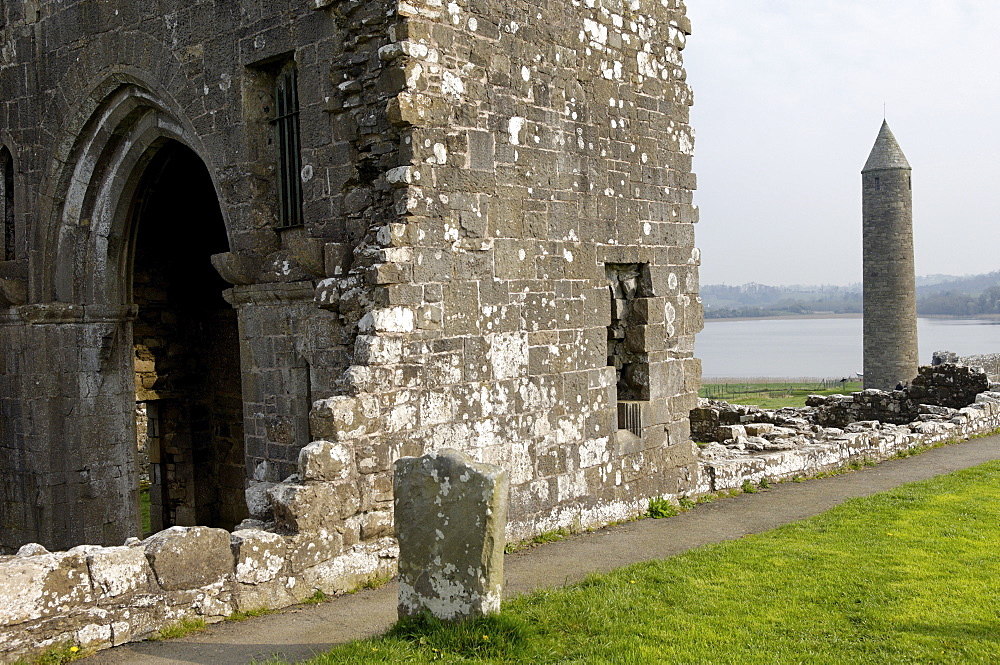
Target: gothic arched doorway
[[188, 393]]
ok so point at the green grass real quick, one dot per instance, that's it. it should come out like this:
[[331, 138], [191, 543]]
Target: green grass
[[58, 655], [182, 628], [660, 508], [249, 614], [374, 582], [906, 576], [772, 395], [144, 509], [542, 538], [316, 598]]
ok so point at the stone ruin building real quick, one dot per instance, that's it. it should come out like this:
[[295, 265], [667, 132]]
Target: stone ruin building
[[890, 295], [393, 225]]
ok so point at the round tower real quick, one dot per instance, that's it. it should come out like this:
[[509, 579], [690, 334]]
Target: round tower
[[890, 298]]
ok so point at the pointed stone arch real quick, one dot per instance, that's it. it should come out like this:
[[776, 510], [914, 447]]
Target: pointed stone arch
[[81, 313], [86, 240]]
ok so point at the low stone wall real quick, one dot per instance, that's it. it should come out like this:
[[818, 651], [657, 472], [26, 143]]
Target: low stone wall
[[97, 597]]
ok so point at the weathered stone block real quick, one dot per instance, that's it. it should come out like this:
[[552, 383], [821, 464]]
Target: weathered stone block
[[342, 417], [376, 524], [42, 585], [258, 502], [323, 460], [260, 555], [189, 557], [311, 549], [450, 515], [378, 350], [314, 506], [117, 571]]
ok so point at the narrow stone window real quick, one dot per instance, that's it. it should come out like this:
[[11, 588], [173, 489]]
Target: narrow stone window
[[286, 125], [625, 346], [7, 203], [878, 184]]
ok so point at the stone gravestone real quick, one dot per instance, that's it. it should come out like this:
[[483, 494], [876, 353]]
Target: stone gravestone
[[451, 512]]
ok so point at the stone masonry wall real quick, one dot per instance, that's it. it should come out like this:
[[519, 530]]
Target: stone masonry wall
[[758, 449], [471, 175], [104, 85], [891, 352], [99, 597], [540, 143], [470, 172]]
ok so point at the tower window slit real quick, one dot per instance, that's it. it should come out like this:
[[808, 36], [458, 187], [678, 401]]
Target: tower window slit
[[286, 123], [7, 203]]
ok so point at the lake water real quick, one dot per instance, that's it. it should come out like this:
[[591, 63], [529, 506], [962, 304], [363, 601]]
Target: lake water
[[822, 347]]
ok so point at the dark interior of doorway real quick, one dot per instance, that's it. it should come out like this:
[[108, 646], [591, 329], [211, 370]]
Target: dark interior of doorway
[[189, 402]]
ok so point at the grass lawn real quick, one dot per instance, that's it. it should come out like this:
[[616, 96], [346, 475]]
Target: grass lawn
[[144, 510], [907, 576], [773, 395]]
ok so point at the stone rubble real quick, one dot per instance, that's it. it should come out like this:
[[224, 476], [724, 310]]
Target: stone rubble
[[988, 362], [945, 385], [745, 443]]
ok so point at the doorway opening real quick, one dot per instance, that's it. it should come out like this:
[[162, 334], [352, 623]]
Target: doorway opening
[[189, 399]]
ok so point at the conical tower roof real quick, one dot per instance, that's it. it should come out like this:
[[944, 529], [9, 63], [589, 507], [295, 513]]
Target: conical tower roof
[[886, 154]]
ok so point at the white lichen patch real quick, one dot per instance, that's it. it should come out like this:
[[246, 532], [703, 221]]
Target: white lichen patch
[[514, 127], [260, 555], [388, 319], [508, 354], [115, 571], [452, 85]]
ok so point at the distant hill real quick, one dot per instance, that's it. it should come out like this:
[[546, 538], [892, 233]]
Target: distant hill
[[948, 295], [972, 285]]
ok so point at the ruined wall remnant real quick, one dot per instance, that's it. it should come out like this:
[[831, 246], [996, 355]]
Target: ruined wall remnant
[[937, 390], [105, 596], [541, 144], [745, 443], [116, 296], [988, 362], [99, 596], [467, 178], [450, 515], [758, 450], [949, 386]]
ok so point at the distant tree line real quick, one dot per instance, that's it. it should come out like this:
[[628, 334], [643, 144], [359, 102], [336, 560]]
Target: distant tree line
[[789, 307], [969, 296], [956, 303]]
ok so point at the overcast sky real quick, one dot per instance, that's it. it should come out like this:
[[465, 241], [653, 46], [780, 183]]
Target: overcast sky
[[788, 102]]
